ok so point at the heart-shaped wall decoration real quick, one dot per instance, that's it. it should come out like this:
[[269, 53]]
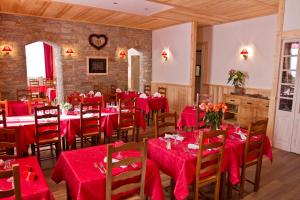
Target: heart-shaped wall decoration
[[98, 41]]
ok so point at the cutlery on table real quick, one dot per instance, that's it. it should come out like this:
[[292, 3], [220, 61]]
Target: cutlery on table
[[98, 167]]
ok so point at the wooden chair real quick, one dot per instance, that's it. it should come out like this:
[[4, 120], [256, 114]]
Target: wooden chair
[[163, 121], [137, 185], [47, 130], [8, 143], [90, 126], [147, 89], [4, 105], [3, 118], [208, 169], [24, 94], [16, 189], [75, 99], [162, 91], [34, 88], [253, 153], [126, 119], [36, 102], [48, 82]]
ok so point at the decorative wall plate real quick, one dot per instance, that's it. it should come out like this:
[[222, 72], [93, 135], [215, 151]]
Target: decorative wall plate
[[98, 40]]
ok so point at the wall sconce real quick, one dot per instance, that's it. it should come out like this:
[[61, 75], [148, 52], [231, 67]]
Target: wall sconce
[[122, 54], [6, 50], [244, 53], [164, 55], [69, 51]]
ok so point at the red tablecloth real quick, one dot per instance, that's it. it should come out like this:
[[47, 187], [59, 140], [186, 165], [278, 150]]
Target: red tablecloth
[[182, 169], [86, 182], [188, 117], [31, 190], [69, 124], [125, 95], [51, 94], [17, 108], [152, 103]]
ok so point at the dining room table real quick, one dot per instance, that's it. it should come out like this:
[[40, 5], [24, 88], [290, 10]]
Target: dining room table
[[32, 181], [85, 181], [184, 158], [69, 126], [188, 117]]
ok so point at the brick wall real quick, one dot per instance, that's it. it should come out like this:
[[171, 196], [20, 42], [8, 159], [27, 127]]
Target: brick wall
[[19, 31]]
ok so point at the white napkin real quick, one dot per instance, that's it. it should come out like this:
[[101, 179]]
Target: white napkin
[[82, 95], [193, 146], [242, 135], [174, 136], [143, 95], [1, 162], [91, 92], [156, 94], [118, 90], [98, 94], [113, 160]]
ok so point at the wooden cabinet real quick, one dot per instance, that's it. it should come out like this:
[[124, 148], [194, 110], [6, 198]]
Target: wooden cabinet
[[244, 109]]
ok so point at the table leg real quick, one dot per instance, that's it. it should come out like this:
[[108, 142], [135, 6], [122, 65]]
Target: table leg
[[173, 182], [68, 192]]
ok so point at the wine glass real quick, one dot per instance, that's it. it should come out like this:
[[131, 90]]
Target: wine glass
[[196, 136]]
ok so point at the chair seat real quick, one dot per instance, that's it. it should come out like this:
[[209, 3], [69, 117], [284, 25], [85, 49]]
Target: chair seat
[[135, 197], [207, 180], [49, 140], [90, 134]]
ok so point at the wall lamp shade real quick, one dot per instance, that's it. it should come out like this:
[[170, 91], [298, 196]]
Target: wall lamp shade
[[122, 54], [6, 49], [244, 53], [164, 55], [69, 51]]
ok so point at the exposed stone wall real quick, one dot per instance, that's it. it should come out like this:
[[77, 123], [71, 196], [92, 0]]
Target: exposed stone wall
[[19, 31]]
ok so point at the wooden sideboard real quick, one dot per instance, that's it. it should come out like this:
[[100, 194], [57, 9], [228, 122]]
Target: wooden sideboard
[[244, 109]]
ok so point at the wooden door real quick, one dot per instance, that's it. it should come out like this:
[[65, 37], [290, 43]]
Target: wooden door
[[286, 97], [135, 73]]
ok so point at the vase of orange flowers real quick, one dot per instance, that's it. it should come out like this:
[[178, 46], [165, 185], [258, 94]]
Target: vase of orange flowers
[[213, 114]]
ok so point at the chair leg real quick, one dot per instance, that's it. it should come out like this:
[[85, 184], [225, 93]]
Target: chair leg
[[242, 183], [257, 176], [38, 153], [81, 141], [51, 149], [229, 188], [173, 182], [32, 146]]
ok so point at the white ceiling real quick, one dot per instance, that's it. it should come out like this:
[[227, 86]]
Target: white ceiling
[[140, 7]]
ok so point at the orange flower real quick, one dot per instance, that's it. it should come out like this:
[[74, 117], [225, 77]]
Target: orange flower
[[210, 105], [216, 108], [225, 108]]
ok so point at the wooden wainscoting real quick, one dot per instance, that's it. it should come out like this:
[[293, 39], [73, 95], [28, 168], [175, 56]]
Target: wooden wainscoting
[[178, 95], [217, 91]]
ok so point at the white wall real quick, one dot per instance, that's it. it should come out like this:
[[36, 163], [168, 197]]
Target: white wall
[[177, 68], [227, 41], [291, 15]]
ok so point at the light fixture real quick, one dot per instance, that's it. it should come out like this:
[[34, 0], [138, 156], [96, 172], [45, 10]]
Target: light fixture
[[69, 51], [244, 53], [164, 55], [6, 49], [122, 54]]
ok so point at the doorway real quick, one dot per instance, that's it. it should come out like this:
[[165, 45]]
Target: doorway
[[134, 62]]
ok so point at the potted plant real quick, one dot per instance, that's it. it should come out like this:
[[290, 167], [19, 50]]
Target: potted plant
[[238, 80], [65, 107], [213, 114]]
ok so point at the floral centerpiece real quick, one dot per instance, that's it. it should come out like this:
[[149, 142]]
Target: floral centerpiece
[[65, 107], [213, 114], [238, 79]]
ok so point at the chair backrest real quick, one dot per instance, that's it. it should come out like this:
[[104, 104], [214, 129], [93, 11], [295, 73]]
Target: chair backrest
[[126, 116], [16, 189], [256, 135], [8, 140], [4, 105], [162, 91], [164, 120], [36, 102], [138, 171], [48, 82], [90, 117], [75, 99], [147, 89], [3, 118], [47, 122], [24, 94], [209, 164], [113, 89]]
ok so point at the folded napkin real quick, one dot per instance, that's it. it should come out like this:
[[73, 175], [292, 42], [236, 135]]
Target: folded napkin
[[91, 92], [30, 176], [156, 94], [193, 146], [242, 135], [118, 90], [174, 136], [98, 94], [1, 163], [143, 95], [82, 95], [114, 160]]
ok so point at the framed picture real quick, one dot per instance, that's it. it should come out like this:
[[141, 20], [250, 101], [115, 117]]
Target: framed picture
[[198, 68], [97, 65]]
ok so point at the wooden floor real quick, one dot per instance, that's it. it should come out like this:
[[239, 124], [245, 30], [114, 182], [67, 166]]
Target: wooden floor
[[280, 180]]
